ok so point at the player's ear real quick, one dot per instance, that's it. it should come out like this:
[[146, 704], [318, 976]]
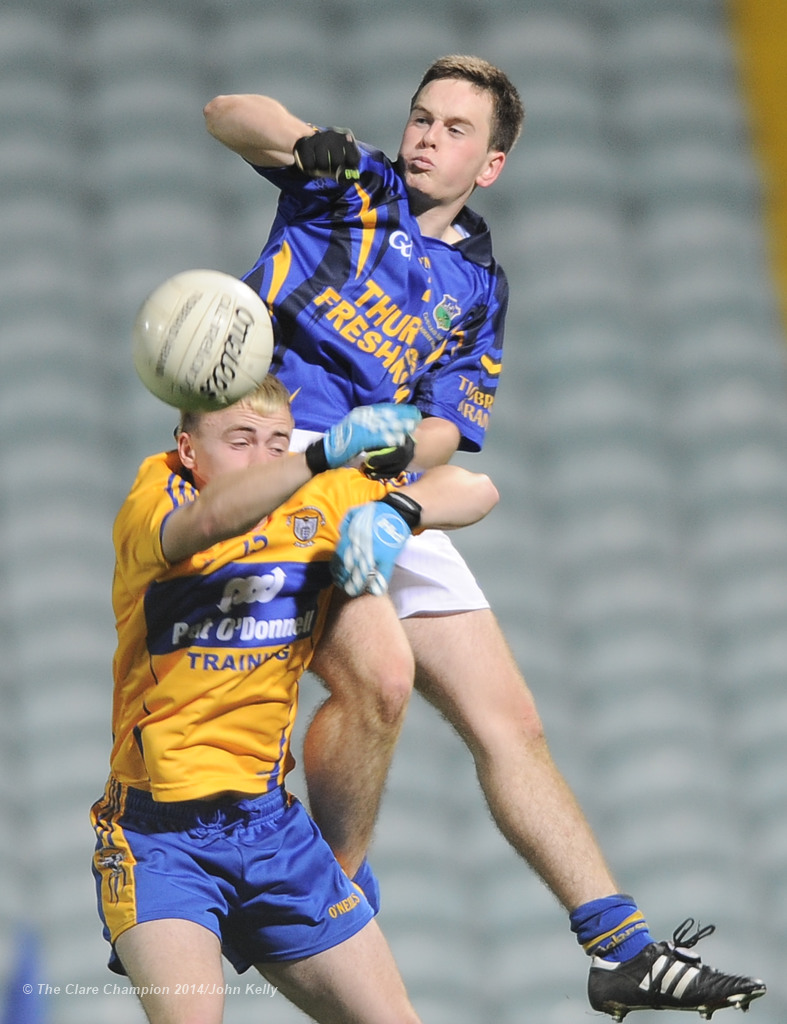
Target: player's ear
[[490, 172], [186, 450]]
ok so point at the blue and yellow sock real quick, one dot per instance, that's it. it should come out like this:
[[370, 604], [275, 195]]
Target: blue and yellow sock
[[613, 928]]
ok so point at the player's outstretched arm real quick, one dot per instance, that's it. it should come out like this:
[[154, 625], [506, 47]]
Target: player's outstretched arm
[[436, 441], [233, 502], [451, 497], [264, 132], [258, 128], [372, 535]]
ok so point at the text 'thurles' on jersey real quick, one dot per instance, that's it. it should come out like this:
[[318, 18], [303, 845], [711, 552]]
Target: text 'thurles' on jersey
[[366, 309]]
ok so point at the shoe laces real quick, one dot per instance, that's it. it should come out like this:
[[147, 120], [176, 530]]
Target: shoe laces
[[682, 938]]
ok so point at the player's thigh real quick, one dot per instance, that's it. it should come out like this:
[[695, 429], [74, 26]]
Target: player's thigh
[[176, 967], [363, 643], [465, 668], [356, 982]]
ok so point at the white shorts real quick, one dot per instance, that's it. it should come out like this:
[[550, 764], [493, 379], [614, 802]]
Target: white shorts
[[430, 577]]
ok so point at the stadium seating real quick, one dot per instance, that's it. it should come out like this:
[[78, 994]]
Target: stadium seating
[[637, 561]]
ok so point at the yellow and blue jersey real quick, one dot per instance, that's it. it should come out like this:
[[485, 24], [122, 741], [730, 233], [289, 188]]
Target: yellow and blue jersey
[[210, 650], [366, 309]]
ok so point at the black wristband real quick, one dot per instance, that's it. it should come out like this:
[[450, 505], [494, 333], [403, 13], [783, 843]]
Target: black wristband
[[315, 457], [407, 508]]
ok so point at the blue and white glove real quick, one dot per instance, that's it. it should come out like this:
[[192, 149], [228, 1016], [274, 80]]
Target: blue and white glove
[[365, 429], [370, 539]]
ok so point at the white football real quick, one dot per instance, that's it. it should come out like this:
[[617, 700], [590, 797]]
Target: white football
[[202, 340]]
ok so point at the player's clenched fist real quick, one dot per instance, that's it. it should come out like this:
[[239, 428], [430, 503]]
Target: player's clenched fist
[[366, 429], [389, 462], [331, 153]]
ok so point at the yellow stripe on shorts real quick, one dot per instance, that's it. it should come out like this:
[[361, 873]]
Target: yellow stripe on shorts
[[114, 861]]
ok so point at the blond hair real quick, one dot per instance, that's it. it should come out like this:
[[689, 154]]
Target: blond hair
[[269, 397]]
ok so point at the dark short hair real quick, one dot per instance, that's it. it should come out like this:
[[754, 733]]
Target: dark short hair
[[508, 112]]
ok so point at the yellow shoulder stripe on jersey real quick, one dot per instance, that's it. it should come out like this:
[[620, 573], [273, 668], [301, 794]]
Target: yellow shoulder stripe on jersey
[[368, 218], [281, 262], [493, 367]]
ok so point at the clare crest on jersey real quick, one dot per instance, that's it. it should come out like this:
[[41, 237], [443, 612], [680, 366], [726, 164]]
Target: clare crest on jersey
[[305, 524]]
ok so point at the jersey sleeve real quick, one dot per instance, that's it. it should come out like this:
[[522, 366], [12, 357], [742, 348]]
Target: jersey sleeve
[[157, 491], [462, 384]]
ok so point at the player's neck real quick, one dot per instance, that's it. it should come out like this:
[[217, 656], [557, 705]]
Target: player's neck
[[438, 222]]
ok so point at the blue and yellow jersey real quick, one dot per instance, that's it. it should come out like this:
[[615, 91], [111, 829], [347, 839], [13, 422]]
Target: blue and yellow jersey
[[210, 650], [366, 309]]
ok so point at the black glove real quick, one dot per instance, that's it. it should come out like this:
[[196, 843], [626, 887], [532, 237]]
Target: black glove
[[332, 153], [368, 428], [387, 463]]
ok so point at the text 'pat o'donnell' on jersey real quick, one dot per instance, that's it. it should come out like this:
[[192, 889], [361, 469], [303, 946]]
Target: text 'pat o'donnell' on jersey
[[233, 608]]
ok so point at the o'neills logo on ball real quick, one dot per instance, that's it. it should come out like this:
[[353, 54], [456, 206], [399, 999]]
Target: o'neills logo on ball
[[224, 367]]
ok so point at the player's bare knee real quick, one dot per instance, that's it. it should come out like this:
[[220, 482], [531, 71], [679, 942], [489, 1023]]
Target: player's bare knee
[[505, 726], [378, 690], [525, 726], [381, 702], [393, 696]]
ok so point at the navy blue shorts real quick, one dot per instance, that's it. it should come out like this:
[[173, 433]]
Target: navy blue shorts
[[256, 872]]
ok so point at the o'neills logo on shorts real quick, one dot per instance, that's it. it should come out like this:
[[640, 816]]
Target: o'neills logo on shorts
[[346, 905]]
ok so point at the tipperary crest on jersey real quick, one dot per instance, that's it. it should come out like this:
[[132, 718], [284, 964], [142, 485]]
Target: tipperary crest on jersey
[[305, 524], [446, 311]]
